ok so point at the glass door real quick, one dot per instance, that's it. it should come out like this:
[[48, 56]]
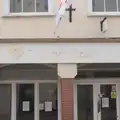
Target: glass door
[[85, 102], [106, 102], [25, 102], [48, 108], [97, 101], [5, 101]]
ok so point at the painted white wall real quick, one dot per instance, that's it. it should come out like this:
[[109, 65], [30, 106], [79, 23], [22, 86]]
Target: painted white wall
[[82, 26], [60, 53]]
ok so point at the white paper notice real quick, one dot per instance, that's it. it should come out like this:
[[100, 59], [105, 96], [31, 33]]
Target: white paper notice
[[105, 102], [26, 106], [48, 106], [113, 87], [41, 106]]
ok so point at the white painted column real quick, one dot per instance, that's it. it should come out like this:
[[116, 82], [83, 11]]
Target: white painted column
[[96, 91], [66, 73], [75, 102], [13, 102], [59, 100], [117, 100], [67, 70], [36, 101]]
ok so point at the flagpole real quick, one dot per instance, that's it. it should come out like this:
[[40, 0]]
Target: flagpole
[[57, 25]]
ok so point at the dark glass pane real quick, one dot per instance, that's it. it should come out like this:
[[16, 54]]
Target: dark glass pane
[[85, 102], [98, 5], [106, 74], [28, 5], [25, 102], [5, 102], [99, 74], [42, 5], [48, 96], [15, 6], [27, 72], [108, 111], [111, 5], [119, 5]]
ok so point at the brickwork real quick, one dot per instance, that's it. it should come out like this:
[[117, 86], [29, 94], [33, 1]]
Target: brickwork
[[67, 108]]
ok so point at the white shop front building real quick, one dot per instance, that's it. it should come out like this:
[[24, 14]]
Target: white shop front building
[[31, 86]]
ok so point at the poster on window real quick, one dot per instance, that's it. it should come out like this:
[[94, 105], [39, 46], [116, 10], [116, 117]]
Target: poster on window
[[41, 105], [48, 106], [105, 102], [26, 106], [113, 88]]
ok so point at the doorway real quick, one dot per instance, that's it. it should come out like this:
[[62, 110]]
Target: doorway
[[85, 102], [36, 100], [107, 102], [48, 101], [32, 100], [25, 101], [97, 101]]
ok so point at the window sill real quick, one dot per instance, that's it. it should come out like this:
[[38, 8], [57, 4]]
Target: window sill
[[47, 14], [104, 14]]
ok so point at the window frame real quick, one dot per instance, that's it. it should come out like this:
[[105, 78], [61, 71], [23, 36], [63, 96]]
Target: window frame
[[92, 13], [8, 13]]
